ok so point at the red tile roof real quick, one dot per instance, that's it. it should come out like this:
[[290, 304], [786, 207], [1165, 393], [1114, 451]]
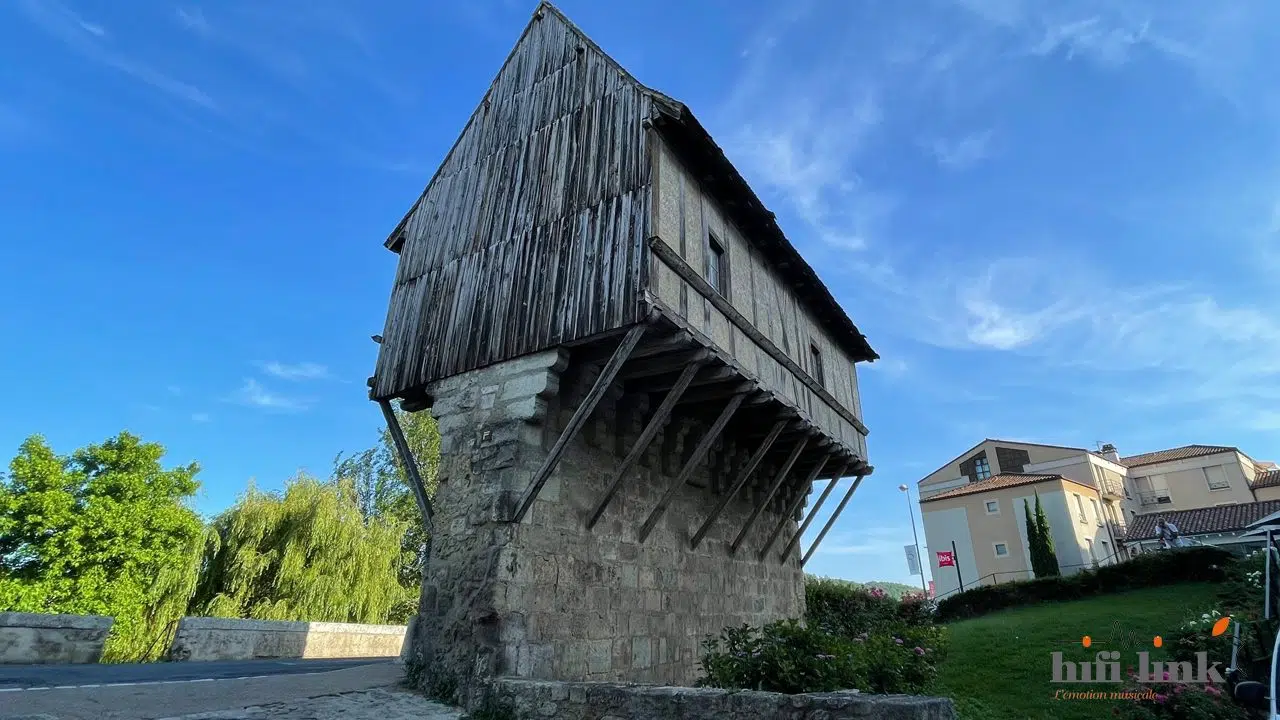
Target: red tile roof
[[996, 482], [1269, 478], [1200, 521], [1181, 453]]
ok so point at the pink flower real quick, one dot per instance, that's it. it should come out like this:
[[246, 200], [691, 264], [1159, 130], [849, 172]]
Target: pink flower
[[1161, 698], [897, 641], [1212, 690], [918, 650], [1166, 676]]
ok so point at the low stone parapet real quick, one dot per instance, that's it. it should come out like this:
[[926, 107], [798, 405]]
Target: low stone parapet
[[622, 701], [227, 639], [38, 639]]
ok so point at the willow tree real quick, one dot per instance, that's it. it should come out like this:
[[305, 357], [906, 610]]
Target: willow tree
[[381, 484], [308, 553]]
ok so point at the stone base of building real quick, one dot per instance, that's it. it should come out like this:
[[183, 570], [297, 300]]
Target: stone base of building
[[548, 599], [616, 701]]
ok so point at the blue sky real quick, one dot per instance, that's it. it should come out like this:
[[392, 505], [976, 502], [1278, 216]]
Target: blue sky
[[1056, 220]]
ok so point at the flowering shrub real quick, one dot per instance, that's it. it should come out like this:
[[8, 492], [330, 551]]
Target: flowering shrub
[[787, 657], [846, 609], [1178, 701]]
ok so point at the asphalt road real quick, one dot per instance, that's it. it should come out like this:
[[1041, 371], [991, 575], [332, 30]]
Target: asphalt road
[[63, 676], [167, 690]]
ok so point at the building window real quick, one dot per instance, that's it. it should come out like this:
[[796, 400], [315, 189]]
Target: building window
[[993, 507], [717, 271], [1088, 543], [1097, 516], [815, 362], [1217, 478], [981, 469], [1012, 460], [1106, 550], [1080, 507], [1002, 550]]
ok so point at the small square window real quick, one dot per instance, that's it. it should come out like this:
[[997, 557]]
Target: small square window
[[993, 507], [1002, 550]]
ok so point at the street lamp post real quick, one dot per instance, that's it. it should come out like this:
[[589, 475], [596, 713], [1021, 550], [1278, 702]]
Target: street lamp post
[[915, 538]]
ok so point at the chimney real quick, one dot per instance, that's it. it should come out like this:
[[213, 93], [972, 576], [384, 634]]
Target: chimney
[[1108, 451]]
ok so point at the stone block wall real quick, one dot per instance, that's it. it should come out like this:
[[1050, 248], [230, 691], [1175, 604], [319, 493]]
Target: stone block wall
[[40, 639], [200, 639], [615, 701], [546, 598]]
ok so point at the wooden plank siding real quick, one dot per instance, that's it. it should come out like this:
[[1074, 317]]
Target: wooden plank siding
[[757, 291], [531, 233]]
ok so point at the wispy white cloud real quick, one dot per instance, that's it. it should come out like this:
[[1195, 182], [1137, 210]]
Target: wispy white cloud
[[962, 153], [194, 20], [297, 371], [875, 542], [201, 417], [253, 394], [90, 39]]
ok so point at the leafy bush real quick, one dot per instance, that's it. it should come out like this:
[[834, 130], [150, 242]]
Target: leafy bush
[[1195, 564], [847, 609], [788, 657]]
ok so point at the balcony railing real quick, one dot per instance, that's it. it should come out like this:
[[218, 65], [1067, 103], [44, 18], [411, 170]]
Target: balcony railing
[[1117, 530], [1111, 487], [1154, 497]]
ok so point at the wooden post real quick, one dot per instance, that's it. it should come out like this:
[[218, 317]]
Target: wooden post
[[406, 458], [832, 520], [579, 418], [743, 476], [795, 504], [694, 461], [646, 436], [777, 482], [813, 513]]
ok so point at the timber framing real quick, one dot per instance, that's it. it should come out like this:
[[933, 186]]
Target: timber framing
[[857, 480], [410, 463], [798, 496]]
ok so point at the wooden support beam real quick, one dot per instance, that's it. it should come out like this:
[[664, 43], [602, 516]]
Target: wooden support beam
[[650, 431], [691, 465], [801, 493], [675, 341], [743, 476], [664, 364], [579, 418], [832, 520], [813, 513], [777, 483], [410, 464], [707, 377], [718, 393]]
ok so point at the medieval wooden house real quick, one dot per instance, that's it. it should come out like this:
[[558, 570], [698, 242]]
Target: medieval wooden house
[[638, 378]]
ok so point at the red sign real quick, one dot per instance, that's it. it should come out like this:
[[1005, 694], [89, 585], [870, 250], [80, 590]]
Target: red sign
[[946, 558]]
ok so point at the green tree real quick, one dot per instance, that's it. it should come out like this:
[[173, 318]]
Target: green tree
[[1047, 564], [381, 484], [104, 531], [1033, 539], [308, 553]]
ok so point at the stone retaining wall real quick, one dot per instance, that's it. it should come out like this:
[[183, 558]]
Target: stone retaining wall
[[226, 639], [31, 638], [618, 701]]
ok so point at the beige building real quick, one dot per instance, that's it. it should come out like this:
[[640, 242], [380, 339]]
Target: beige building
[[1091, 499]]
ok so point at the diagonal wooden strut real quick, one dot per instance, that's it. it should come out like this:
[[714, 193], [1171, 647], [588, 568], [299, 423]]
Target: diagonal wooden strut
[[743, 476], [801, 494], [588, 405], [777, 483], [813, 513], [406, 459], [646, 437], [692, 464], [832, 520]]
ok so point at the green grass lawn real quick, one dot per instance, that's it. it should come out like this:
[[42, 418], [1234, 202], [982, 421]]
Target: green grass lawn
[[999, 666]]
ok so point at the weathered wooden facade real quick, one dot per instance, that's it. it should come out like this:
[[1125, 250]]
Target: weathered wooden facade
[[588, 227]]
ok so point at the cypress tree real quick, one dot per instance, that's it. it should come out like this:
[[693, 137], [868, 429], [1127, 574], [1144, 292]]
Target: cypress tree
[[1033, 539], [1044, 536]]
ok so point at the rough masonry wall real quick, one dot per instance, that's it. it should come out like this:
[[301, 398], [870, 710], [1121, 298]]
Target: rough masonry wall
[[546, 599]]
